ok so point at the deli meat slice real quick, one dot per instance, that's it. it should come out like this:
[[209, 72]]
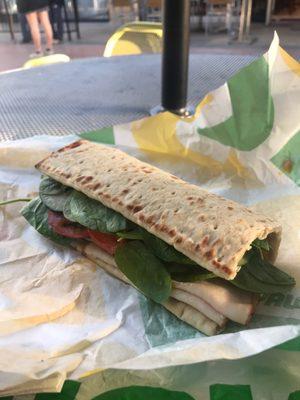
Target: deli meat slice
[[234, 303], [180, 309], [200, 305]]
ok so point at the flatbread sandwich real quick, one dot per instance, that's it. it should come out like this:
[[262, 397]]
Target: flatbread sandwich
[[206, 259]]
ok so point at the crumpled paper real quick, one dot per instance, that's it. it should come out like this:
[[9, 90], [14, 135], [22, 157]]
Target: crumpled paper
[[61, 316]]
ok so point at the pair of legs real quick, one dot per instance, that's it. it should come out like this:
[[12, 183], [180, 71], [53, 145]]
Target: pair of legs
[[33, 19]]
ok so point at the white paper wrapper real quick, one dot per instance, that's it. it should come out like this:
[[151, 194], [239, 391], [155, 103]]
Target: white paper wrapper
[[60, 316]]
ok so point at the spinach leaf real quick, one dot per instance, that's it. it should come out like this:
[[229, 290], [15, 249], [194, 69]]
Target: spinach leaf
[[163, 250], [132, 235], [259, 276], [53, 194], [144, 270], [36, 213], [67, 209], [10, 201], [191, 273], [256, 246], [92, 214], [261, 244]]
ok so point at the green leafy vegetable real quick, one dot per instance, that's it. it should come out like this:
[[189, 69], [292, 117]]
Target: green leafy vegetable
[[53, 194], [3, 203], [131, 235], [163, 250], [67, 209], [36, 213], [144, 270], [191, 273], [261, 244], [93, 215], [259, 276]]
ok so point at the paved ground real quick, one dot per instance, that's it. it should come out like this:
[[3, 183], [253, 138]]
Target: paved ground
[[95, 35]]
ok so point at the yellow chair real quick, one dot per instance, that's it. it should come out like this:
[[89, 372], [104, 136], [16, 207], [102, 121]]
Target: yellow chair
[[46, 60], [135, 38]]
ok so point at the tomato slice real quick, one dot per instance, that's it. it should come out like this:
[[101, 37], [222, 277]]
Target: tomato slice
[[106, 241], [64, 227]]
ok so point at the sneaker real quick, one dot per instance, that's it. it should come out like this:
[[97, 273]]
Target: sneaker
[[37, 54], [48, 52]]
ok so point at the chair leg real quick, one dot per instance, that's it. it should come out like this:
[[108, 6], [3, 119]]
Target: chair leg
[[67, 21], [76, 17], [10, 21], [135, 10], [111, 11]]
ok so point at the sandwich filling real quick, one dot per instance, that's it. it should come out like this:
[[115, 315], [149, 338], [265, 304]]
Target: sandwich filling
[[68, 216]]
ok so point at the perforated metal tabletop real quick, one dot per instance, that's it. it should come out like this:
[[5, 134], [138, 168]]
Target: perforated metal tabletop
[[92, 93]]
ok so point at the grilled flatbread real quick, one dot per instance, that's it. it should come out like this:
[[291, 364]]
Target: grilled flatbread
[[209, 229]]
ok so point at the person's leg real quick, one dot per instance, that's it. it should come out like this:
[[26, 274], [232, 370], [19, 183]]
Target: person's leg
[[33, 23], [44, 19]]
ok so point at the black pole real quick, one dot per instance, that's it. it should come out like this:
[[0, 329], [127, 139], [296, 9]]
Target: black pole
[[176, 41]]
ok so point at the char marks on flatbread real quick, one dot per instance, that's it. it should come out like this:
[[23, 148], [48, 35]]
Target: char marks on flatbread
[[209, 229]]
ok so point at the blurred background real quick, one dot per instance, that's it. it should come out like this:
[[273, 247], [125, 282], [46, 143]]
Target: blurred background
[[85, 26]]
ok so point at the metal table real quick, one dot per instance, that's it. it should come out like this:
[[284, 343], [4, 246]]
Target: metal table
[[89, 94]]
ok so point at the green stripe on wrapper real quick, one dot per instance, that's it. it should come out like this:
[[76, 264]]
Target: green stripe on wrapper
[[143, 393], [294, 395], [288, 159], [68, 392], [105, 136], [230, 392], [162, 327], [252, 109], [291, 345]]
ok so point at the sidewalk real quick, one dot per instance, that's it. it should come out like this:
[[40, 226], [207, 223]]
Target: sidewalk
[[95, 35]]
